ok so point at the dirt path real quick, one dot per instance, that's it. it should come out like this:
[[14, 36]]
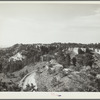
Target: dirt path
[[28, 79]]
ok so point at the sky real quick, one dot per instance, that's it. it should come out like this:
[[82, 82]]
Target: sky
[[30, 23]]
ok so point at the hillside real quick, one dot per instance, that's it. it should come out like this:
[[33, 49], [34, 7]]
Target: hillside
[[53, 67]]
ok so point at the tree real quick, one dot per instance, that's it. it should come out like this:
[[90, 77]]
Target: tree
[[0, 67], [79, 59], [88, 60], [88, 51], [67, 60], [80, 51], [74, 61], [44, 50]]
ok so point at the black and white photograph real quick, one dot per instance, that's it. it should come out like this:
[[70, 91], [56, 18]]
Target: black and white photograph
[[49, 47]]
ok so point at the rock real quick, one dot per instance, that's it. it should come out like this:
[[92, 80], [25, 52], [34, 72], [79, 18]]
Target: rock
[[28, 80], [18, 56], [98, 76]]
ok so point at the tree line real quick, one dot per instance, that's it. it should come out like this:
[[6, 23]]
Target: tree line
[[34, 52]]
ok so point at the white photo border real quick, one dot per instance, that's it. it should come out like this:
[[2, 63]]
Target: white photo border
[[51, 95]]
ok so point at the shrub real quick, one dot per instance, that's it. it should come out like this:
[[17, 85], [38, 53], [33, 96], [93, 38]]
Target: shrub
[[55, 82], [45, 89], [51, 71]]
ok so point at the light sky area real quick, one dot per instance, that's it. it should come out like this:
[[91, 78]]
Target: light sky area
[[29, 23]]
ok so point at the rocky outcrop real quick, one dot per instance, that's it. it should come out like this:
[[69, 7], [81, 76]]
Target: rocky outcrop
[[17, 56]]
